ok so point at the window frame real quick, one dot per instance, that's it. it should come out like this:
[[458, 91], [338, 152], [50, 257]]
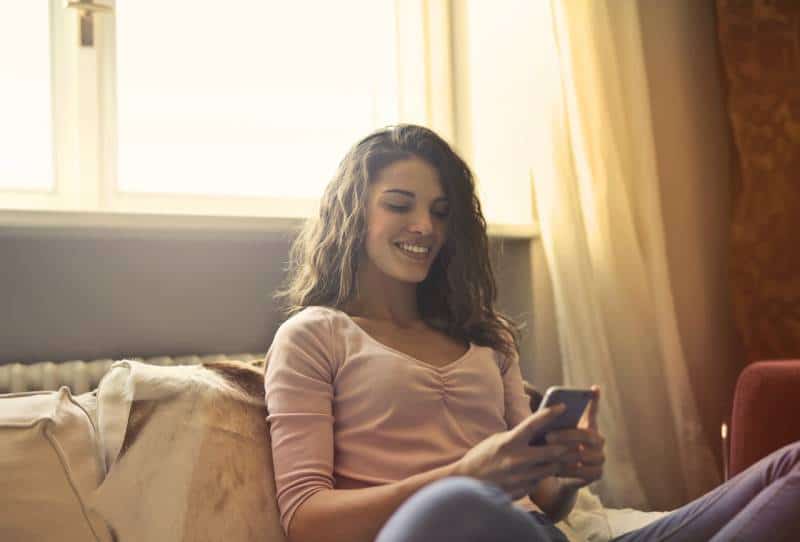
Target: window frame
[[65, 66]]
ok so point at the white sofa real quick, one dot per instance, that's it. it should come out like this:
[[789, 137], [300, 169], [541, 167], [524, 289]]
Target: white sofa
[[165, 454]]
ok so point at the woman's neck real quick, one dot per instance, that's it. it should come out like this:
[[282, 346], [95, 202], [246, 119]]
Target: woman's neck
[[386, 299]]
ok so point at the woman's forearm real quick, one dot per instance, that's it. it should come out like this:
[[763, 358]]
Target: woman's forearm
[[356, 515]]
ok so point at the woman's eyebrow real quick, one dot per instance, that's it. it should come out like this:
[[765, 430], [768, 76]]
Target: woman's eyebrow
[[410, 194]]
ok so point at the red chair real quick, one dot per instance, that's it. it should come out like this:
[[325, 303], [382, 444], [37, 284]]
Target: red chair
[[766, 411]]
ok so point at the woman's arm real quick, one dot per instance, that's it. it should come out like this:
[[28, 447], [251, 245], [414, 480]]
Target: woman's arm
[[356, 515], [504, 459]]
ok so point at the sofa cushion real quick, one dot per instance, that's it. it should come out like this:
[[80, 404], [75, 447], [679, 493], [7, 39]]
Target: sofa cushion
[[189, 454], [49, 464]]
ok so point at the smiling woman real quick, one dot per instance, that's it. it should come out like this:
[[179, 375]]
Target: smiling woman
[[392, 302], [402, 216], [406, 225]]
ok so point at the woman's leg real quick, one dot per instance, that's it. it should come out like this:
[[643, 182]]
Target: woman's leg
[[463, 509], [760, 503]]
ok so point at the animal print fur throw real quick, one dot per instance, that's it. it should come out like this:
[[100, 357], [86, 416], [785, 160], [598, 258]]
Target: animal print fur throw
[[188, 454]]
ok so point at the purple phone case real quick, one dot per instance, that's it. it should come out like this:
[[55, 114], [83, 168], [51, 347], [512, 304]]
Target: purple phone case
[[576, 401]]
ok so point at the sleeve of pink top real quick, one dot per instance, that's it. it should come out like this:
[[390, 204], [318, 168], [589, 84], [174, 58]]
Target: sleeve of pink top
[[298, 388], [517, 402]]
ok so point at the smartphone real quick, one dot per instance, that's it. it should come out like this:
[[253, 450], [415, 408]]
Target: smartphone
[[575, 399]]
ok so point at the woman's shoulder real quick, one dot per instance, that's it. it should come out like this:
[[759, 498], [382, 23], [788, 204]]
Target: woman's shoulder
[[305, 337], [316, 320], [313, 317], [500, 359]]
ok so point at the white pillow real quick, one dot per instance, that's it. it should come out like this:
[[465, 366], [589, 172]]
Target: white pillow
[[49, 464], [590, 521]]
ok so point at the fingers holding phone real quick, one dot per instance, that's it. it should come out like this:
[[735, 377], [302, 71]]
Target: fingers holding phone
[[589, 418], [506, 460], [577, 430], [584, 457]]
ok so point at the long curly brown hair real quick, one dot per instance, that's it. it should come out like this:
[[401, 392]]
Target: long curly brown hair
[[457, 297]]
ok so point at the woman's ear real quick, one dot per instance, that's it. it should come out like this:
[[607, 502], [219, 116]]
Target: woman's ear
[[535, 396]]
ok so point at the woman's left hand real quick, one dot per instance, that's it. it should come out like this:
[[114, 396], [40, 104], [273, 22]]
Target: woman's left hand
[[583, 463]]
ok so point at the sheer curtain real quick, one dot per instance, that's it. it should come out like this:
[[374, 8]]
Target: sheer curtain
[[596, 191]]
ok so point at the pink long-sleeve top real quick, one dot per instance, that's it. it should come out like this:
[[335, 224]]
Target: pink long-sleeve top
[[342, 404]]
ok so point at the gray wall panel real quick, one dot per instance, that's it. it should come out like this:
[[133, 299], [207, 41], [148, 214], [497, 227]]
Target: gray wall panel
[[109, 294]]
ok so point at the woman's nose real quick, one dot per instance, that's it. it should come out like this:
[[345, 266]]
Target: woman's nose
[[421, 224]]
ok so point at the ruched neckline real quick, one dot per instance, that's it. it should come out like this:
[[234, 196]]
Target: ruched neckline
[[409, 357]]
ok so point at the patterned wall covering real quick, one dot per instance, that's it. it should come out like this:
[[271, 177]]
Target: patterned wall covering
[[760, 48]]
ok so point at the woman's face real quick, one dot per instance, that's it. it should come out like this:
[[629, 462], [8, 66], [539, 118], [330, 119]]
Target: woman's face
[[406, 220]]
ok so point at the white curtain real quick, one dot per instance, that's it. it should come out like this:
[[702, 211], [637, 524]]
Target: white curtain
[[596, 190]]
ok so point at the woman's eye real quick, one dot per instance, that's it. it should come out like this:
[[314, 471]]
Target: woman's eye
[[396, 208], [441, 213]]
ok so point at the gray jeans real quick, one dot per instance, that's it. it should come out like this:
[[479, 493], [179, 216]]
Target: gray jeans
[[761, 503]]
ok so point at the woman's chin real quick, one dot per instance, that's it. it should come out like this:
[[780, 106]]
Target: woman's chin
[[416, 279], [410, 276]]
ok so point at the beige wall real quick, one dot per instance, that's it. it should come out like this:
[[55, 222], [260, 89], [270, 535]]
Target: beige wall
[[693, 152]]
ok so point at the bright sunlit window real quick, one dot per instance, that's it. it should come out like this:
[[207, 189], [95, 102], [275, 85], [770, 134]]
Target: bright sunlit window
[[26, 131], [241, 108], [248, 98]]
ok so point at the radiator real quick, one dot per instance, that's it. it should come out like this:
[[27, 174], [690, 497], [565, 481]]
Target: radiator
[[83, 376]]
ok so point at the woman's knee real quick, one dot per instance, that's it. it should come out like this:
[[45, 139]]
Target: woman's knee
[[457, 497], [456, 508], [463, 493], [781, 462], [790, 455]]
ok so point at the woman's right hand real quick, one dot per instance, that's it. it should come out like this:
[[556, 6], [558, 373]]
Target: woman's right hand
[[508, 460]]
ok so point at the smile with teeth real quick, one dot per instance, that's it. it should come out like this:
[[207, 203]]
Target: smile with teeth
[[416, 251]]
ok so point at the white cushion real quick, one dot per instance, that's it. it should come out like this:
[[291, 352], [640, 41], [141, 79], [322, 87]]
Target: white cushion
[[49, 464], [590, 521]]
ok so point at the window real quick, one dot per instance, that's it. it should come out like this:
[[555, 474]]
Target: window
[[244, 108], [187, 107], [254, 101], [26, 139]]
